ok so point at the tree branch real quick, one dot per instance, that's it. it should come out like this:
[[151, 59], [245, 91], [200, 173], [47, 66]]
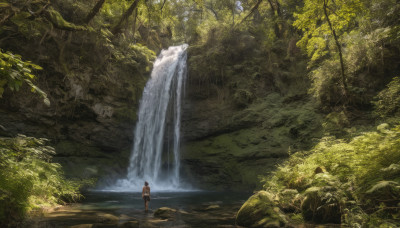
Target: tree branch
[[162, 6], [339, 47], [255, 7], [213, 11], [94, 11], [125, 16], [59, 22]]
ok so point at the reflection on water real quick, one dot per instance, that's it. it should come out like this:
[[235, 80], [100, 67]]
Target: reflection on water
[[115, 209], [177, 200]]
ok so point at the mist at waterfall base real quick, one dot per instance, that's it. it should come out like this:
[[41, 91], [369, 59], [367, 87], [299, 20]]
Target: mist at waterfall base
[[155, 155]]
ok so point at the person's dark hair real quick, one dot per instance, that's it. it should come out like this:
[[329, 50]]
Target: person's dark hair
[[146, 183]]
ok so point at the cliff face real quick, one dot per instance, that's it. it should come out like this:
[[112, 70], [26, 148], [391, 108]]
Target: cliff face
[[242, 117], [245, 108], [235, 147], [94, 87]]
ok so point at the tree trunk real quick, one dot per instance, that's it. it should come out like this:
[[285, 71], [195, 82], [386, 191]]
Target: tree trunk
[[276, 11], [210, 7], [134, 24], [125, 16], [94, 11], [339, 47], [272, 7], [162, 6], [255, 7]]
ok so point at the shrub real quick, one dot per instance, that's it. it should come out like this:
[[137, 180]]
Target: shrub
[[387, 102], [14, 72], [356, 166], [28, 178]]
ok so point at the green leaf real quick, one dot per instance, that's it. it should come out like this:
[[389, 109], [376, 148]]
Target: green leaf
[[34, 66], [46, 101], [4, 5]]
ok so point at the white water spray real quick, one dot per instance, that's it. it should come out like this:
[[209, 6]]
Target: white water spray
[[159, 117]]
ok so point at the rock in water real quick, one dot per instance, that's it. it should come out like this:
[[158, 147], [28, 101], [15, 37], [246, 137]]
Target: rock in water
[[165, 213], [130, 224], [260, 211]]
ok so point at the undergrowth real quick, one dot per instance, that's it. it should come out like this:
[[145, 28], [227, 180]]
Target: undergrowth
[[360, 177], [29, 180]]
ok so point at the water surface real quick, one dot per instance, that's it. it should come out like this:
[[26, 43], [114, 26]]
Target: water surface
[[126, 209]]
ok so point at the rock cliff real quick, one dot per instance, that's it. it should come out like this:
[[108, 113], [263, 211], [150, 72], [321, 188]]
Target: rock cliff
[[94, 90], [242, 117], [244, 111]]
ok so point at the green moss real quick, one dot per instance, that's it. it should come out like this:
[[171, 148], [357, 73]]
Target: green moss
[[165, 213], [260, 211], [296, 218], [67, 148], [266, 130], [59, 22], [243, 98], [125, 114]]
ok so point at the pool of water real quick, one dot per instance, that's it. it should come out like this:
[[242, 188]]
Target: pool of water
[[126, 209], [178, 200]]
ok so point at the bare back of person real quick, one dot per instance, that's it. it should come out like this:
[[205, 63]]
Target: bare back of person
[[146, 195]]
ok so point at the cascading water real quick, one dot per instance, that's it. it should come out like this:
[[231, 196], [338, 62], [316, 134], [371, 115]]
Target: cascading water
[[159, 117]]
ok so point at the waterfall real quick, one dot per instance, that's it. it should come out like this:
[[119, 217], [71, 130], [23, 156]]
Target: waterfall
[[159, 118]]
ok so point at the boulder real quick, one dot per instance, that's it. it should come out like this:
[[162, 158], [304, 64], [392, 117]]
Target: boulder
[[130, 224], [107, 218], [165, 213], [260, 211], [82, 226], [321, 205], [212, 207]]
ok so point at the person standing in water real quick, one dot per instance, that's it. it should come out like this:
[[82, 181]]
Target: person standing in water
[[146, 195]]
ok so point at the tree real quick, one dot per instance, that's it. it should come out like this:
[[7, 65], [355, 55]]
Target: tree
[[94, 11], [124, 17], [321, 19], [253, 9]]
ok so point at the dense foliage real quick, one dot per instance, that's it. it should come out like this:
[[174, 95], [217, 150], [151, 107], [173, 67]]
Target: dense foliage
[[29, 180], [344, 53], [14, 71], [356, 177], [351, 44], [388, 100]]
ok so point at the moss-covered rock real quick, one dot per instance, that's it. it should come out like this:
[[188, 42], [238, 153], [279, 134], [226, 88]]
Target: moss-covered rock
[[321, 205], [243, 98], [165, 213], [130, 224], [107, 219], [59, 22], [260, 210], [235, 147]]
